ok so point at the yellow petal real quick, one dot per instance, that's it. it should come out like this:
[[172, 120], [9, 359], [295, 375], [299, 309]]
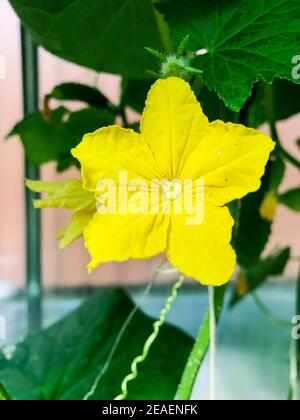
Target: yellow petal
[[74, 230], [203, 251], [231, 160], [110, 150], [53, 187], [118, 237], [66, 194], [172, 124]]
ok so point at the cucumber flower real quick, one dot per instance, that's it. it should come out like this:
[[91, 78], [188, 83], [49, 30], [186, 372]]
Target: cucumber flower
[[177, 143]]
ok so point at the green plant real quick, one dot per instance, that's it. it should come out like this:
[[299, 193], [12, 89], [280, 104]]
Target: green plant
[[241, 60]]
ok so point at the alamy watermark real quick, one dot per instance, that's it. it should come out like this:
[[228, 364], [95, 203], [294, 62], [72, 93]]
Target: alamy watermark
[[2, 67], [125, 195], [296, 67], [2, 328]]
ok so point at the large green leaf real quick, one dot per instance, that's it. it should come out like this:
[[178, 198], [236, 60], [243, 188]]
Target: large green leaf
[[51, 139], [104, 35], [245, 41], [63, 362]]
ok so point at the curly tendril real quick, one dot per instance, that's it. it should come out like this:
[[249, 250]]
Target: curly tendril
[[151, 339]]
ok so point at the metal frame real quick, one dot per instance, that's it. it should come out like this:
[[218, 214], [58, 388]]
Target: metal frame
[[32, 218]]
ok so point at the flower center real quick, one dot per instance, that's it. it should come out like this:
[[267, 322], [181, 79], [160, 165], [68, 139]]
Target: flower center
[[172, 189]]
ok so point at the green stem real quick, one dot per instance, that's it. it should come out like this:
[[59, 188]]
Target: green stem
[[121, 110], [293, 392], [274, 132], [200, 348], [124, 118], [268, 314], [197, 85], [298, 313], [212, 348], [286, 155], [269, 94], [295, 353]]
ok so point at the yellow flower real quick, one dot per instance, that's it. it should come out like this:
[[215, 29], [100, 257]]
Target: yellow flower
[[70, 195], [269, 206], [176, 143]]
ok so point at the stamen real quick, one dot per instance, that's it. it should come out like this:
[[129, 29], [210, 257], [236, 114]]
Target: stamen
[[172, 189]]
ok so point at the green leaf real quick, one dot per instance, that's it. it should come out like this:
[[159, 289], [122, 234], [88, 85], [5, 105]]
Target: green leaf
[[44, 140], [63, 362], [277, 173], [245, 41], [291, 199], [79, 92], [249, 243], [104, 35], [51, 140], [3, 393], [88, 120], [254, 276]]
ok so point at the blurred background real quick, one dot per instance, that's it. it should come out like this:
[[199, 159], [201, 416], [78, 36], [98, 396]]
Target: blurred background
[[66, 269]]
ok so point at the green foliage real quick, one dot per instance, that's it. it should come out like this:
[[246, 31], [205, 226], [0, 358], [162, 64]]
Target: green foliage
[[248, 242], [256, 274], [51, 139], [245, 41], [135, 92], [79, 92], [286, 102], [63, 362], [213, 107], [3, 393], [104, 35], [277, 172], [255, 112], [291, 199], [252, 231]]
